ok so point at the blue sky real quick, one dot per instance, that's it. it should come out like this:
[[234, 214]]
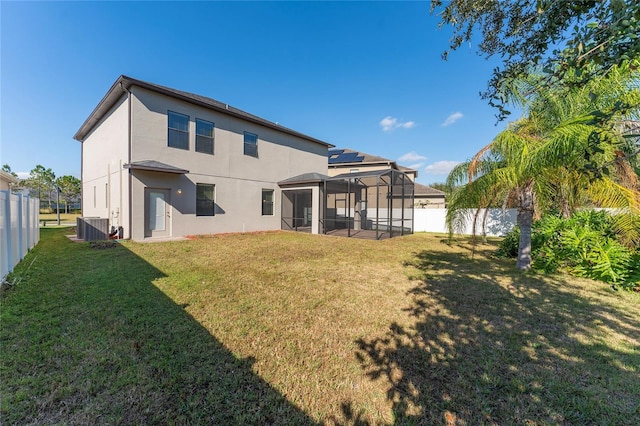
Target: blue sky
[[359, 75]]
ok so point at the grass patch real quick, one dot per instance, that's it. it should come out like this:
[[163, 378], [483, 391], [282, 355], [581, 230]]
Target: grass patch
[[285, 328], [64, 217]]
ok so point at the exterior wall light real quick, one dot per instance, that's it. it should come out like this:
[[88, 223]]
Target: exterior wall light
[[179, 191]]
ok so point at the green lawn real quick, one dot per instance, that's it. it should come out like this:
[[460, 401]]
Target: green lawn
[[285, 328], [50, 220]]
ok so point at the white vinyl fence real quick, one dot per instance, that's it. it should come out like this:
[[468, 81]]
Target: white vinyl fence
[[19, 228], [499, 222]]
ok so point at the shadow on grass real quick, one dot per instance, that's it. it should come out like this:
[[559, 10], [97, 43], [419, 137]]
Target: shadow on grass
[[491, 345], [87, 338]]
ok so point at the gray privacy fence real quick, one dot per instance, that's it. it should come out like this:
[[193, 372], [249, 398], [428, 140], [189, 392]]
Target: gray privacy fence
[[498, 223], [19, 228]]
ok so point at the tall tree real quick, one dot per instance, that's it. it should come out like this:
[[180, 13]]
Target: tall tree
[[7, 168], [440, 186], [590, 36], [41, 180], [535, 156], [69, 189]]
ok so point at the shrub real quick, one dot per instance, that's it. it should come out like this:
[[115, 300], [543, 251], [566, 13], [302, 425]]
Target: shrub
[[509, 245], [584, 245]]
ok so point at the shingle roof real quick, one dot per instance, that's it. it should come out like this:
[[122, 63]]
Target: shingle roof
[[363, 159], [368, 173], [123, 83], [420, 189], [9, 177], [360, 157], [304, 179]]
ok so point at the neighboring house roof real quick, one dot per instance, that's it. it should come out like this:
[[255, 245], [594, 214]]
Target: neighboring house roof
[[8, 177], [364, 174], [426, 191], [123, 83], [154, 166], [349, 158], [304, 178]]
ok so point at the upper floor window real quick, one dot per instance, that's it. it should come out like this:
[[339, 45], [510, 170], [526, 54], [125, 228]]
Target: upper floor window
[[205, 199], [204, 136], [250, 144], [178, 130], [267, 202]]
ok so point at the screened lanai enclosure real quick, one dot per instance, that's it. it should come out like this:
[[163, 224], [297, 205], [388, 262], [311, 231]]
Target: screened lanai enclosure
[[297, 210], [373, 204]]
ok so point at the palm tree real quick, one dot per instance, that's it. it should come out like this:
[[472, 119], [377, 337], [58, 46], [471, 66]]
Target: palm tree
[[501, 169], [539, 161]]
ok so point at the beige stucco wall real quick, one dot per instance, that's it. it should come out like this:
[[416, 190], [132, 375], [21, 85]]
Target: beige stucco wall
[[238, 178], [4, 184], [104, 181], [412, 175], [7, 181], [335, 171]]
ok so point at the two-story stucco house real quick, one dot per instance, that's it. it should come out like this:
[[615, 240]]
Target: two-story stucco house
[[160, 162]]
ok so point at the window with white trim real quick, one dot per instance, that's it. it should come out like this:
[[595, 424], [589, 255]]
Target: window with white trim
[[205, 199], [204, 136], [250, 144], [267, 202], [178, 130]]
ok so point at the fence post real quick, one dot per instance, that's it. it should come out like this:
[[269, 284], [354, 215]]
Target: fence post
[[21, 250], [4, 240], [7, 227]]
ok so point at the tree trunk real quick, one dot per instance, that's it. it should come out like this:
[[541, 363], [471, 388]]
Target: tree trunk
[[474, 226], [484, 224], [565, 207], [525, 220], [566, 211]]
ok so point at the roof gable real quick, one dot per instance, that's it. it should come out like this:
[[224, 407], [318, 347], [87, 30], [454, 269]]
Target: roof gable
[[8, 177], [427, 190]]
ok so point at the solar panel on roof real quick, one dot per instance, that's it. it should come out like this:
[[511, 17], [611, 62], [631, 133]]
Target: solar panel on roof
[[349, 157], [333, 152]]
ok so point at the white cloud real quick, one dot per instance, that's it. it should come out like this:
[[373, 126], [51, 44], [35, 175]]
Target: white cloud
[[441, 167], [415, 166], [389, 123], [452, 118], [22, 175], [411, 156]]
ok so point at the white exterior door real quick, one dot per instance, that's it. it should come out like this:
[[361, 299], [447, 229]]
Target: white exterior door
[[157, 221]]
